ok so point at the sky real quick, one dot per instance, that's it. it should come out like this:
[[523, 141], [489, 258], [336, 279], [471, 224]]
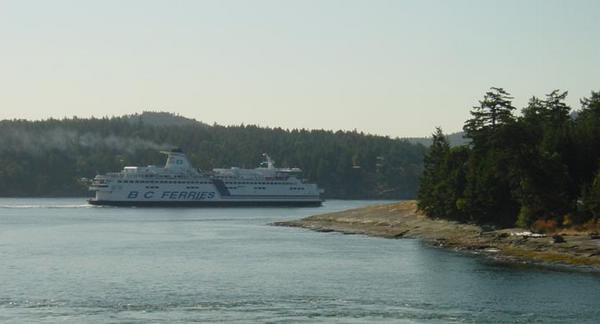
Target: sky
[[396, 68]]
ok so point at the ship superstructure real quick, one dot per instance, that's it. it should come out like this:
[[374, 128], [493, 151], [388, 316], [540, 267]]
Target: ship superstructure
[[180, 184]]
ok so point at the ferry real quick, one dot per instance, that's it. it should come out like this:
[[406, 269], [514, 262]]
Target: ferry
[[179, 184]]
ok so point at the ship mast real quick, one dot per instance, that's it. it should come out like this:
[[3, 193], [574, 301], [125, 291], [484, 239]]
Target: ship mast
[[270, 162]]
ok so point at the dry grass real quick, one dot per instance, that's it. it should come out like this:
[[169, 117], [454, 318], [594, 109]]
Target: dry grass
[[545, 226]]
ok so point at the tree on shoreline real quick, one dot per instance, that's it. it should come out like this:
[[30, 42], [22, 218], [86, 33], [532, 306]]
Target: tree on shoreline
[[433, 186], [517, 170]]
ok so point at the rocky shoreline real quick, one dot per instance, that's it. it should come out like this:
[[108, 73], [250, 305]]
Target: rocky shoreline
[[573, 250]]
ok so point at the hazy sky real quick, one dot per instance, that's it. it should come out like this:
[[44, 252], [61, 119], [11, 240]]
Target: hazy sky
[[394, 68]]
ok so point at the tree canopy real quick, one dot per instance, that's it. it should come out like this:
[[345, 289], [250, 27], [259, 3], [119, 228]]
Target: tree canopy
[[542, 164]]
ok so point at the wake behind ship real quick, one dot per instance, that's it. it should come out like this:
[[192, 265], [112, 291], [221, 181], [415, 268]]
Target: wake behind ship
[[179, 184]]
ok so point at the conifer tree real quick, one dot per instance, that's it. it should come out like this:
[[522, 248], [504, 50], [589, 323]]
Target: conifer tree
[[494, 110], [431, 188], [591, 197]]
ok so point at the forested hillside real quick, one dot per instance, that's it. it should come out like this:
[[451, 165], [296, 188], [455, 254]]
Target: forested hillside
[[48, 158], [541, 167]]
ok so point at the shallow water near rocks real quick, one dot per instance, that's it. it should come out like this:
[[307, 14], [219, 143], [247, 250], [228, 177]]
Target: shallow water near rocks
[[64, 261]]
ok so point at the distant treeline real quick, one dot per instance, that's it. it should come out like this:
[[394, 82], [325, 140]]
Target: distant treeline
[[540, 166], [48, 158], [454, 139]]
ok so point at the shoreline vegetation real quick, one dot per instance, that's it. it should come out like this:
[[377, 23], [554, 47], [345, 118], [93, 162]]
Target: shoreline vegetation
[[538, 170], [567, 248]]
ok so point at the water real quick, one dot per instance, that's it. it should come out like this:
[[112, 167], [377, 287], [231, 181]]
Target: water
[[63, 261]]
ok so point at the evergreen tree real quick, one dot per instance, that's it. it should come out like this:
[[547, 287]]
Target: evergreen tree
[[587, 134], [487, 197], [432, 187], [591, 197], [545, 189], [494, 110]]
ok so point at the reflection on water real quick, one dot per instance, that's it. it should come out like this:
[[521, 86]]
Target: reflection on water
[[64, 261]]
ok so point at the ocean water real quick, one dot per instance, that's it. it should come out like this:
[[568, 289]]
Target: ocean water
[[64, 261]]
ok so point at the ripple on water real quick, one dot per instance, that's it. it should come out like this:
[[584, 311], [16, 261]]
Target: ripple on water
[[63, 261]]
